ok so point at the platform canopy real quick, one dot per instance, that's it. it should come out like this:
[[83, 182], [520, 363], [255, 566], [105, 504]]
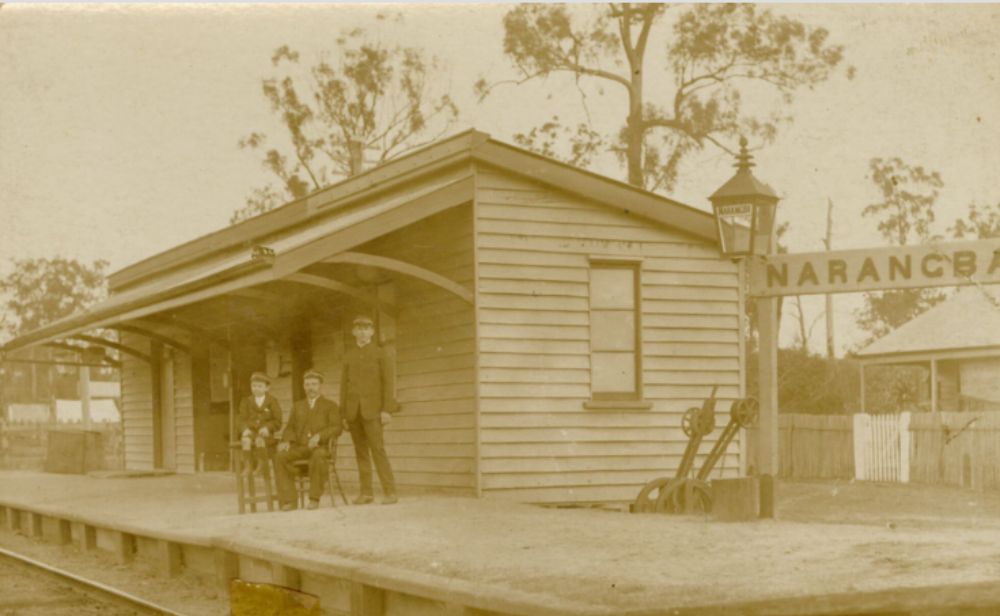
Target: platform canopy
[[326, 225]]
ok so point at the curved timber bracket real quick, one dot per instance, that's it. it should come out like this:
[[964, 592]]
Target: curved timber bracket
[[127, 350], [402, 267]]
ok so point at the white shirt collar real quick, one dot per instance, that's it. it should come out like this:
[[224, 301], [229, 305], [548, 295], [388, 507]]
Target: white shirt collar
[[259, 400]]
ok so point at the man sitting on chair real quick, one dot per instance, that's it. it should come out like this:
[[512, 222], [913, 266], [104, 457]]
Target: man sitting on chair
[[313, 422]]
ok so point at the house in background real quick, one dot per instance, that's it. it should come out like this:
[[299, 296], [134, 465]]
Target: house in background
[[957, 342], [550, 326]]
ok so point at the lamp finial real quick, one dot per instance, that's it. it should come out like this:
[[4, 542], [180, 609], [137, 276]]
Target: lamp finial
[[744, 160]]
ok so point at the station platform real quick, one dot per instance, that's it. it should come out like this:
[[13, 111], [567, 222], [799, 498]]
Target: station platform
[[450, 555]]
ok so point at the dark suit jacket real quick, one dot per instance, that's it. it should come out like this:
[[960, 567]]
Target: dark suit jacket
[[366, 382], [323, 419], [255, 418]]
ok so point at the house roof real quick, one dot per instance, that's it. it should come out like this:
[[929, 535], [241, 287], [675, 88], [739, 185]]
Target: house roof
[[339, 217], [968, 320]]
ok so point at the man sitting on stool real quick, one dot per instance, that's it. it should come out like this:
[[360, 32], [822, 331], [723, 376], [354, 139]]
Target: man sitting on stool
[[313, 422]]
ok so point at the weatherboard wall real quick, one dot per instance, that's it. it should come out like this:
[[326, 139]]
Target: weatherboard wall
[[431, 441], [539, 440]]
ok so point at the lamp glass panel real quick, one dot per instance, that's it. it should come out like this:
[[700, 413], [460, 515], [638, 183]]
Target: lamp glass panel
[[735, 225]]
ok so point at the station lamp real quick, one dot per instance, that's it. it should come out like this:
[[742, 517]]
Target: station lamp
[[744, 209]]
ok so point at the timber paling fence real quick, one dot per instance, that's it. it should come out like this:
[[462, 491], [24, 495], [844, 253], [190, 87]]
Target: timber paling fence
[[815, 446], [959, 449]]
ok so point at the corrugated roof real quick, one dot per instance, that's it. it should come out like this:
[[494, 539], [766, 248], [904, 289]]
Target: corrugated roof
[[966, 320]]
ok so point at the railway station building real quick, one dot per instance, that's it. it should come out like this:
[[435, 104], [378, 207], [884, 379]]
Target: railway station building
[[550, 326]]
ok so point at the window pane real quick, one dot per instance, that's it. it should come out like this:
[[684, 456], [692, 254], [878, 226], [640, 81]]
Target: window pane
[[612, 372], [612, 287], [612, 330]]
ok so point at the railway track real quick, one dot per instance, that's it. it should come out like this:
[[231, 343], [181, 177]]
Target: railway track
[[32, 587]]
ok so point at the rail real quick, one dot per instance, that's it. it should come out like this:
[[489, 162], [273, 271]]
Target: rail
[[92, 587]]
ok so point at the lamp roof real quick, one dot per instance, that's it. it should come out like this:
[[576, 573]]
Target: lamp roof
[[743, 183]]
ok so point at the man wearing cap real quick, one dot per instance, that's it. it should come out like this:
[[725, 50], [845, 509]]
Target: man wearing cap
[[313, 422], [368, 399], [260, 419]]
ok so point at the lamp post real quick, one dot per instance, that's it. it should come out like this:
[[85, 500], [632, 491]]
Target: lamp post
[[744, 209]]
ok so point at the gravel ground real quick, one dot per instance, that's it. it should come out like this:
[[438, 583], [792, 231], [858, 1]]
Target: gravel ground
[[183, 594]]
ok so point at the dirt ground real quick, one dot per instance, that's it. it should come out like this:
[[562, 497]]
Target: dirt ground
[[829, 538]]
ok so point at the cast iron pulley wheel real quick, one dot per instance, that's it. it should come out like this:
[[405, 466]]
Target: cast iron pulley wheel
[[745, 411], [673, 498], [689, 423], [645, 502]]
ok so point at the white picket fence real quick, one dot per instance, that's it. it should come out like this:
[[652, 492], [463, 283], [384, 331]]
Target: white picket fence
[[882, 447]]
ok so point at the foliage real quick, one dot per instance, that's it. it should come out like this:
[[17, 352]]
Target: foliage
[[809, 383], [980, 222], [907, 211], [39, 291], [885, 311], [372, 101], [713, 51], [905, 215]]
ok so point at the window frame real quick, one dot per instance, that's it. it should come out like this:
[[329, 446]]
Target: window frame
[[599, 399]]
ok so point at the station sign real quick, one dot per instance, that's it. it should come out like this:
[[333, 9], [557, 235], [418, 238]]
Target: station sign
[[935, 264]]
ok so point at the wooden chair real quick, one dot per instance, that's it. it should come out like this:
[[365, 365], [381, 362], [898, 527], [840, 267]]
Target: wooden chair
[[246, 487], [334, 479], [302, 478]]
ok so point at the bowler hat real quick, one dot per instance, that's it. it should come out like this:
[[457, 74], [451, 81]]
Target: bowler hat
[[260, 376], [313, 374]]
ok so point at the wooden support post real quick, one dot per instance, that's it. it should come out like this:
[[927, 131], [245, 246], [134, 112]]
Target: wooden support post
[[767, 432], [85, 396], [169, 558], [367, 600], [286, 576], [86, 536], [227, 568], [35, 530], [65, 532], [3, 516], [934, 386], [13, 520], [124, 547]]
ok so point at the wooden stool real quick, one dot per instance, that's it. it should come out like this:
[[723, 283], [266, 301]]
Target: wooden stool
[[246, 487], [301, 478]]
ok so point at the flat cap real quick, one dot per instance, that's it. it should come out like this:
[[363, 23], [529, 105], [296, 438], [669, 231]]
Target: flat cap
[[260, 376], [313, 374], [362, 319]]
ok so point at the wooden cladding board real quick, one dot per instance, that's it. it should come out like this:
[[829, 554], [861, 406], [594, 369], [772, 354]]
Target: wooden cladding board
[[137, 406], [183, 413], [431, 441], [538, 441]]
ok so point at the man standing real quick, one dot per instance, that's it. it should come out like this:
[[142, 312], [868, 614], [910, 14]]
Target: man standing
[[366, 393], [313, 422]]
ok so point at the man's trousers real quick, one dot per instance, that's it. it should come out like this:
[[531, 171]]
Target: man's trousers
[[284, 472], [369, 444]]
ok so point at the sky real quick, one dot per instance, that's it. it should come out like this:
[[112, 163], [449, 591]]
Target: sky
[[119, 125]]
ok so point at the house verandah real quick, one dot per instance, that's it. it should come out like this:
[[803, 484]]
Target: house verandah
[[549, 326]]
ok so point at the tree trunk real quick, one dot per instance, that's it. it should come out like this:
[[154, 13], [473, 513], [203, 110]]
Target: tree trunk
[[830, 351], [356, 150], [634, 127]]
